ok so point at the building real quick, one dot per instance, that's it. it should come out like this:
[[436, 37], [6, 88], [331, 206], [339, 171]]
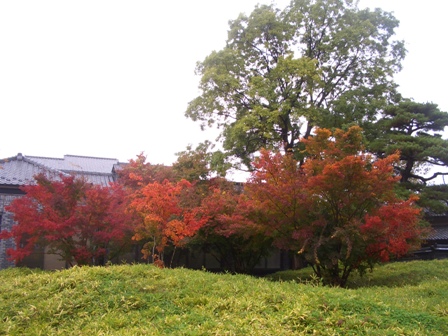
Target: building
[[436, 244]]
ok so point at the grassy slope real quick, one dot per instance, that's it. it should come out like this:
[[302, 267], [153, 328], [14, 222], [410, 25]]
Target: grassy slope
[[397, 299]]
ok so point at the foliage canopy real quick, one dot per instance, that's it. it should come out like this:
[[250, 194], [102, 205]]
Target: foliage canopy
[[339, 209], [282, 72], [416, 130], [78, 221]]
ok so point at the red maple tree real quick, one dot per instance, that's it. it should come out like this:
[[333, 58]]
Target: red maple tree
[[339, 208], [231, 234], [80, 222]]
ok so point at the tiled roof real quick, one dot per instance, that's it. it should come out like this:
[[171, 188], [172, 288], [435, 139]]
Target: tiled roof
[[439, 232], [20, 169], [102, 179], [78, 163]]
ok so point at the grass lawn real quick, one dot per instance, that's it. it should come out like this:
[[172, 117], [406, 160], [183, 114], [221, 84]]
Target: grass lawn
[[409, 298]]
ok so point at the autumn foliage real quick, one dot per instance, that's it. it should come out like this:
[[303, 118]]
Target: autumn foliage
[[165, 206], [83, 223], [138, 172], [232, 233], [163, 219], [338, 209]]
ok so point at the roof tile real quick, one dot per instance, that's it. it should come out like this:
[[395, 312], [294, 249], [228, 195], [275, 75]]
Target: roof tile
[[438, 233], [20, 170]]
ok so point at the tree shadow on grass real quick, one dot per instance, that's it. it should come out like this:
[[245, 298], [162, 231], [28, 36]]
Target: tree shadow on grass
[[393, 274]]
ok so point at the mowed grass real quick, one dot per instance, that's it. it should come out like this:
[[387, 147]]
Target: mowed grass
[[396, 299]]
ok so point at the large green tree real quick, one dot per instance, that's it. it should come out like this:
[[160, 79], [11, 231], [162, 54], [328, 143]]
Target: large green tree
[[282, 72], [201, 163], [416, 129]]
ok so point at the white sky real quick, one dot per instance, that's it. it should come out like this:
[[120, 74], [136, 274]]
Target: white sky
[[113, 78]]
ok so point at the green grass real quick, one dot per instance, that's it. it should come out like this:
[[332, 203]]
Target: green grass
[[397, 299]]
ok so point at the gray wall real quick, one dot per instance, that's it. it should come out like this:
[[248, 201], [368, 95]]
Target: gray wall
[[6, 223]]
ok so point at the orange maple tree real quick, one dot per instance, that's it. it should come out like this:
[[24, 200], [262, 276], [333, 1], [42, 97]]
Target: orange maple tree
[[138, 173], [339, 209], [164, 220]]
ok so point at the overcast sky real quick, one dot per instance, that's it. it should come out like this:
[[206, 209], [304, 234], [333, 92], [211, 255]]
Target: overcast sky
[[113, 78]]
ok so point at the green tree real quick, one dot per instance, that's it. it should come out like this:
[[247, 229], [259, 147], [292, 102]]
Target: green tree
[[415, 129], [199, 164], [282, 72]]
